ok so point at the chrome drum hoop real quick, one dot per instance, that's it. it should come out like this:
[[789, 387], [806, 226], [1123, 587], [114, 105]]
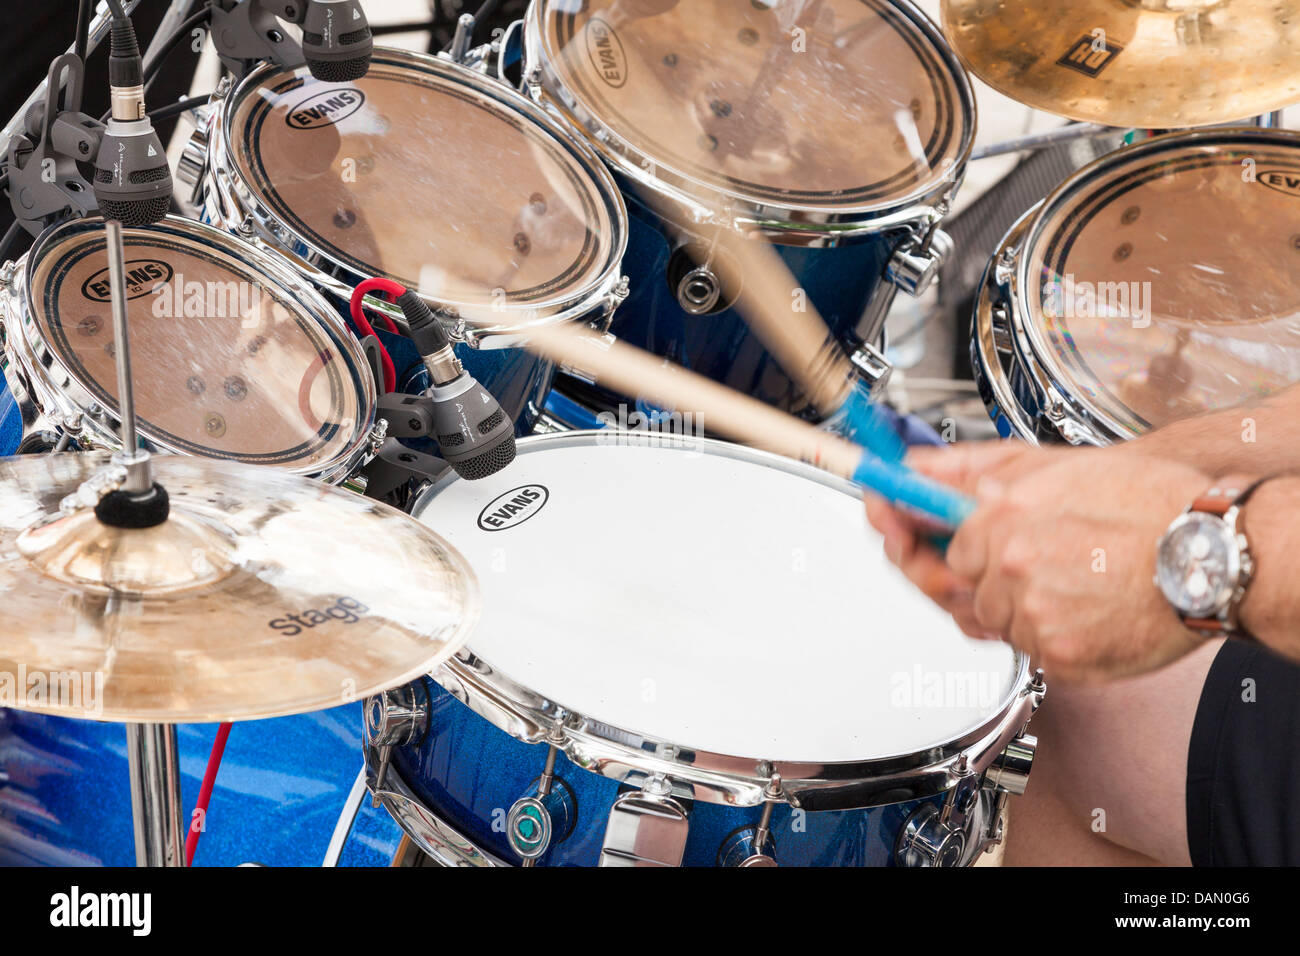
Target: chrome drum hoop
[[230, 204], [621, 755], [1002, 358], [50, 397], [788, 225]]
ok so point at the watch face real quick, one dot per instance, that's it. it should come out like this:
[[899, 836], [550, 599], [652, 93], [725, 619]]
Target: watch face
[[1198, 565]]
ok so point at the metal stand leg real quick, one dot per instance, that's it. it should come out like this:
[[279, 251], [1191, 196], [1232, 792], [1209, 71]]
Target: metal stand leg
[[1054, 137], [153, 755]]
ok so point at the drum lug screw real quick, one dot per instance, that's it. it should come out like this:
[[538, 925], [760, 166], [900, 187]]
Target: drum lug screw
[[1009, 771], [397, 717]]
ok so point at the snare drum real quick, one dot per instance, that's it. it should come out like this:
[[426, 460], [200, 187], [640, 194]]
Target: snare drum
[[234, 355], [839, 131], [1157, 283], [713, 695], [434, 176]]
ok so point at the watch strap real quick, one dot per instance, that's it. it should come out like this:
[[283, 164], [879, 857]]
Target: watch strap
[[1227, 493]]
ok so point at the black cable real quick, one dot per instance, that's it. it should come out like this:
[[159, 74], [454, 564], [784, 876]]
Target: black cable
[[164, 113], [422, 26], [8, 240], [182, 31], [115, 8], [83, 29]]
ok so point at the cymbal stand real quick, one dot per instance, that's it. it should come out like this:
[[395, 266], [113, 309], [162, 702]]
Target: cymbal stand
[[152, 750]]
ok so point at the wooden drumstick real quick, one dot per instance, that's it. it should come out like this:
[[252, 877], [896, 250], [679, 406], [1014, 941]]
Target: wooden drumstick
[[736, 415]]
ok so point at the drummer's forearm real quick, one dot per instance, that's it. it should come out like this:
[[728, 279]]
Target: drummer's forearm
[[1262, 438], [1271, 609]]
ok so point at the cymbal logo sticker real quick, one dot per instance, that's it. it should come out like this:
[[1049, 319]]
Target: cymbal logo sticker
[[1091, 54], [345, 610]]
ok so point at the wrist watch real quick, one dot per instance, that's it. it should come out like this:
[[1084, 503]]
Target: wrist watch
[[1203, 561]]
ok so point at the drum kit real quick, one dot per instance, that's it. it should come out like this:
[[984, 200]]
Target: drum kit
[[230, 504]]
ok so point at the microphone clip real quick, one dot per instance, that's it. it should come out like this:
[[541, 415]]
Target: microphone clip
[[46, 184], [246, 32]]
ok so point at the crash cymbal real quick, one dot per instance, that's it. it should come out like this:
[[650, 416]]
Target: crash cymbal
[[1140, 63], [262, 594]]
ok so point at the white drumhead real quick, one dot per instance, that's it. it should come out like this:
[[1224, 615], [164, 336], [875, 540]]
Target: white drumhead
[[712, 597]]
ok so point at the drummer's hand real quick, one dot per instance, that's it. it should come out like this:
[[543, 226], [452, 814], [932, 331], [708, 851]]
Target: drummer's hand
[[907, 538], [1060, 555]]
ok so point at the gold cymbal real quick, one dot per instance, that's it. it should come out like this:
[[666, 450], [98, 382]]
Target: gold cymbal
[[1140, 63], [263, 594]]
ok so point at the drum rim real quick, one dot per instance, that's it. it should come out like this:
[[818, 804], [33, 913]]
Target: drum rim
[[991, 376], [1084, 419], [529, 714], [41, 376], [792, 223], [242, 209]]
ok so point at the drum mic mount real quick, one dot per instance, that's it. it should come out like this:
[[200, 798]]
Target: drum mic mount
[[337, 41], [46, 184]]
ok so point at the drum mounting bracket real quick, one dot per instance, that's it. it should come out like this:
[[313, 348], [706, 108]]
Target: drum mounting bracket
[[45, 183], [246, 31], [394, 464]]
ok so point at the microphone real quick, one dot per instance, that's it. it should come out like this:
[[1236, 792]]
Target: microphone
[[475, 436], [133, 183], [336, 40]]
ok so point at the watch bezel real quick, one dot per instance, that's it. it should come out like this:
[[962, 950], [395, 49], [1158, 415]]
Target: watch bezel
[[1226, 594]]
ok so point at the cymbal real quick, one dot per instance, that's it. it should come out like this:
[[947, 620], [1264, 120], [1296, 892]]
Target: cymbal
[[263, 594], [1141, 63]]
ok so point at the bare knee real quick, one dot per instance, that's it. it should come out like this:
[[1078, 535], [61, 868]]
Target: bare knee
[[1115, 756]]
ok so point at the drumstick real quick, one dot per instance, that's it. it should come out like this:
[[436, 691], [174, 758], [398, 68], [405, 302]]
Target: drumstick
[[736, 415]]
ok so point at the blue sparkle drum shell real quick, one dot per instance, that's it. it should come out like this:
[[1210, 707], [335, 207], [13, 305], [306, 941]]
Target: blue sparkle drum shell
[[714, 651], [283, 785], [434, 176], [840, 137]]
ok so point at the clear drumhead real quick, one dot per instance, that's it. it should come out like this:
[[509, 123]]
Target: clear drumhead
[[712, 597], [828, 105], [1161, 282], [228, 361], [430, 175]]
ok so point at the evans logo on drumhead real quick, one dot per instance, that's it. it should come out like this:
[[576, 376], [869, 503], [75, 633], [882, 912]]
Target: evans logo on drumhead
[[1283, 180], [325, 109], [142, 277], [513, 508], [606, 52]]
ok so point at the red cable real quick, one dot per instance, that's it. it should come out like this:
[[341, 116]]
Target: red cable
[[388, 287], [205, 793], [355, 307]]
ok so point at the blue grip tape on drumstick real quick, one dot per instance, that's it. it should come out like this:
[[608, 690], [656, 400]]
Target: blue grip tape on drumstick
[[863, 422], [901, 486]]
